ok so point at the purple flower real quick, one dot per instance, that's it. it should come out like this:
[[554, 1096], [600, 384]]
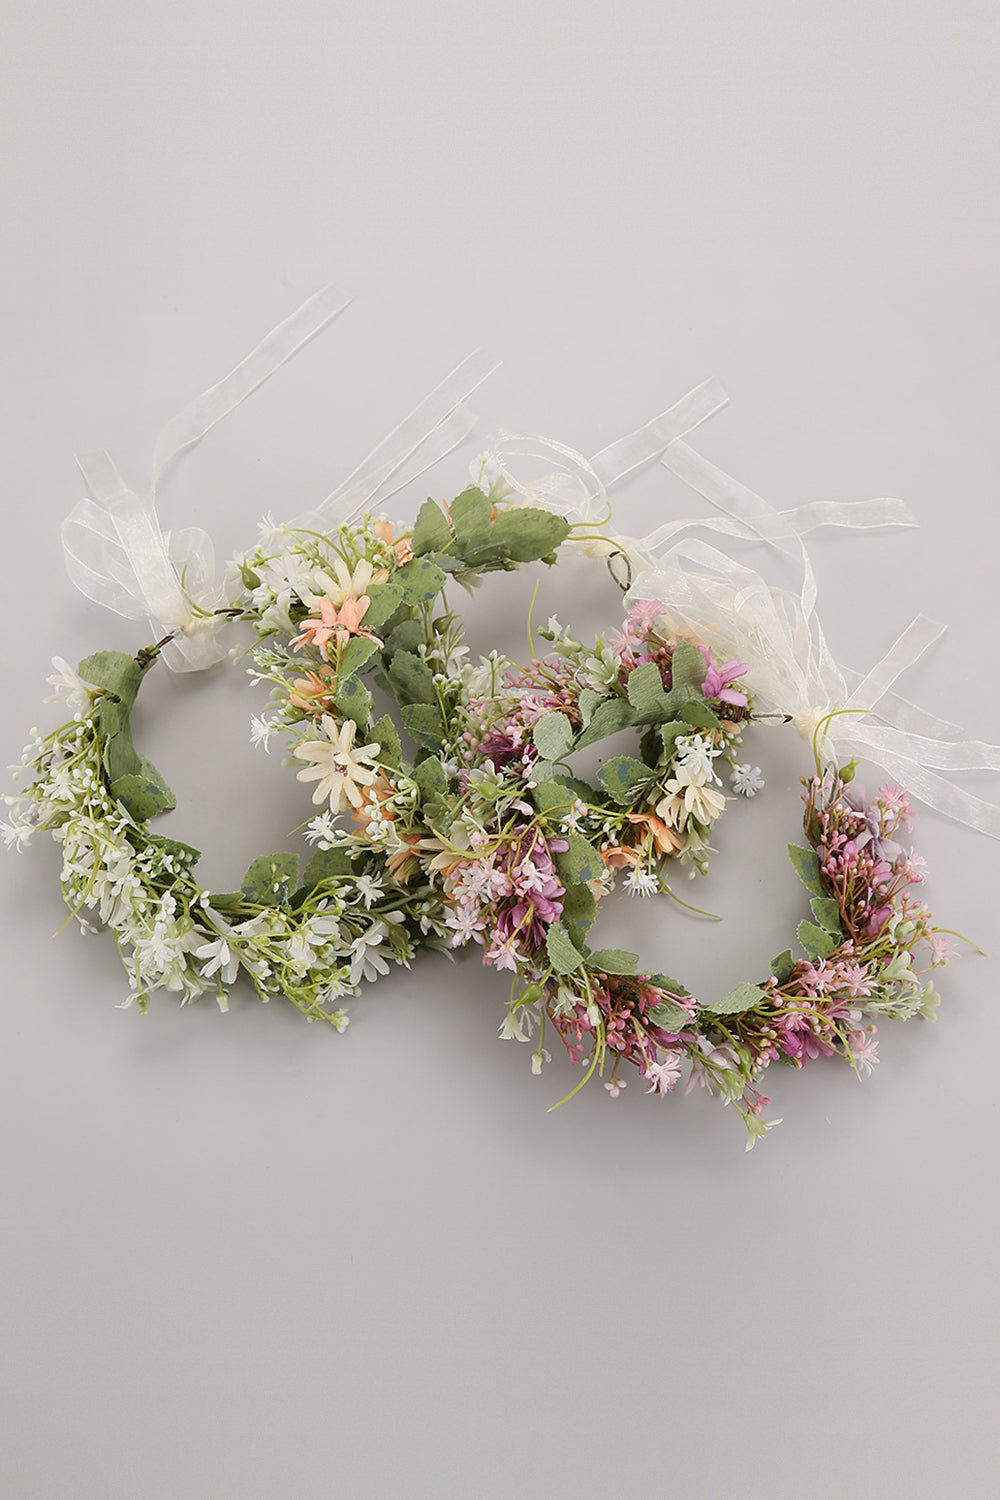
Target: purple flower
[[717, 680]]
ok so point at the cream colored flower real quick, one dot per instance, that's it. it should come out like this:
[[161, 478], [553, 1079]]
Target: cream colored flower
[[689, 799], [338, 770]]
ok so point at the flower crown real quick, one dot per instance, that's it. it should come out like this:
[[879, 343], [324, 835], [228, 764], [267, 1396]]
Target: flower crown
[[468, 821]]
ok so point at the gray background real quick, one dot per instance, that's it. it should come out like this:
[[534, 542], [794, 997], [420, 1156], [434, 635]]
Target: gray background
[[243, 1257]]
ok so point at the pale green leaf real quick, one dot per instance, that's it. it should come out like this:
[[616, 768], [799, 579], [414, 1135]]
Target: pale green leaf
[[741, 998], [553, 735], [563, 954]]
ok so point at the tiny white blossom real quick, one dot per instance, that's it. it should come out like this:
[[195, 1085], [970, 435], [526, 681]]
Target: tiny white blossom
[[640, 882], [261, 731], [747, 780]]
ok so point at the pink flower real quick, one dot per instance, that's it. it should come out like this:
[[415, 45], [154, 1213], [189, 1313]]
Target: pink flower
[[717, 680], [662, 1076]]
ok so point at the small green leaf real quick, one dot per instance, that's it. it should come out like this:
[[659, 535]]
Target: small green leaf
[[671, 986], [470, 516], [550, 796], [671, 1017], [699, 714], [528, 534], [579, 911], [423, 722], [419, 581], [354, 701], [815, 941], [432, 532], [645, 691], [580, 862], [688, 666], [553, 735], [671, 733], [587, 702], [407, 636], [384, 733], [353, 656], [326, 864], [141, 797], [806, 865], [564, 956], [411, 679], [782, 966], [622, 777], [827, 913], [385, 600], [612, 715], [113, 671], [613, 961], [430, 778], [741, 998], [270, 879], [185, 852]]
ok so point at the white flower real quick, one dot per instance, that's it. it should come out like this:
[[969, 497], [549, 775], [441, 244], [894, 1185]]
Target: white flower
[[694, 761], [368, 888], [338, 768], [684, 800], [747, 780], [70, 686], [662, 1076], [261, 731], [641, 883], [218, 958], [320, 830]]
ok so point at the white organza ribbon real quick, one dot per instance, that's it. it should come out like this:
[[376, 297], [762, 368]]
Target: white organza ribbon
[[117, 553], [778, 634]]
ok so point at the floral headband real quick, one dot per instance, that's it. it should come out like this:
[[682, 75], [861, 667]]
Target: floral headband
[[467, 821]]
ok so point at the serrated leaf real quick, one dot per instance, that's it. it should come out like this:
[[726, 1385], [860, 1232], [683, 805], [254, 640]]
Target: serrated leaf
[[141, 797], [645, 691], [671, 732], [688, 666], [553, 735], [564, 956], [613, 961], [816, 942], [354, 655], [411, 679], [354, 701], [612, 715], [270, 879], [622, 777], [113, 671], [528, 534], [782, 966], [385, 734], [805, 862], [470, 517], [326, 864], [579, 911], [741, 998], [699, 715], [423, 722], [672, 986], [671, 1017], [430, 778], [385, 600], [432, 532], [827, 913], [580, 862], [407, 636], [587, 702], [419, 581], [550, 796]]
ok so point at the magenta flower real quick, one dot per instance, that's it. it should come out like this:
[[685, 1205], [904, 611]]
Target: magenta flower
[[717, 680]]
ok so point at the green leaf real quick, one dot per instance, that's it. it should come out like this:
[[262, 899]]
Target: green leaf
[[816, 942], [580, 862], [385, 600], [358, 650], [827, 913], [672, 986], [270, 879], [553, 735], [645, 692], [613, 961], [419, 581], [743, 997], [670, 1017], [579, 911], [411, 679], [528, 533], [622, 777], [384, 733], [354, 701], [587, 702], [113, 671], [552, 796], [470, 517], [432, 532], [430, 778], [141, 797], [564, 956], [699, 714], [806, 865], [326, 864], [782, 966], [407, 636], [612, 715], [671, 733], [423, 722], [688, 666], [186, 852]]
